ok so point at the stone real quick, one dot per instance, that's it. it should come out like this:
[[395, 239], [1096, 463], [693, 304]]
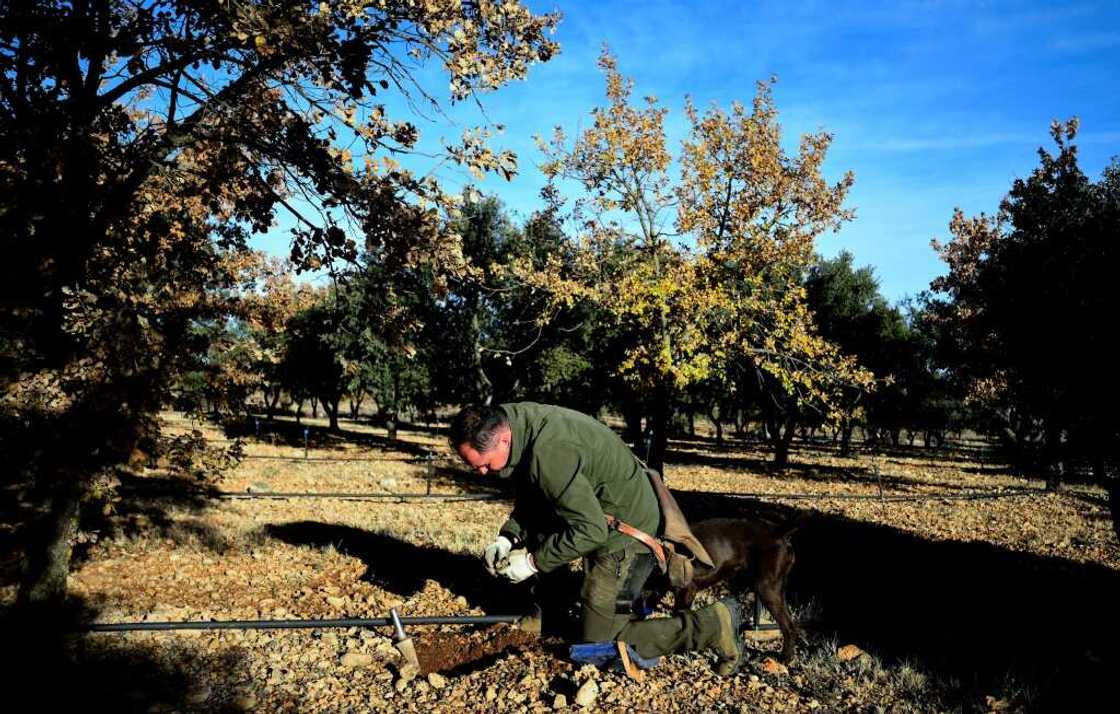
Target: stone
[[848, 653], [438, 681], [587, 693], [336, 601], [198, 695], [559, 702], [407, 672], [354, 660], [245, 702]]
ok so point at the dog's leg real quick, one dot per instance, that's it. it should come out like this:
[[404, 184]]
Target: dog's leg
[[790, 559], [771, 593]]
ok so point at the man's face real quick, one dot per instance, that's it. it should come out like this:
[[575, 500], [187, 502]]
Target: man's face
[[493, 459]]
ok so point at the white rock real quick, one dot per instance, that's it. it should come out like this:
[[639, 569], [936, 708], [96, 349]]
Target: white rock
[[353, 660], [587, 694], [438, 681]]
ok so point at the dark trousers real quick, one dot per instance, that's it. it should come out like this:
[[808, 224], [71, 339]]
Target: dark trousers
[[611, 581]]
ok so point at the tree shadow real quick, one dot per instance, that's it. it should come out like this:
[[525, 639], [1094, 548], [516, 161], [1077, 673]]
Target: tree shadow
[[143, 508], [402, 567], [971, 611], [318, 438], [820, 473], [951, 452], [57, 667]]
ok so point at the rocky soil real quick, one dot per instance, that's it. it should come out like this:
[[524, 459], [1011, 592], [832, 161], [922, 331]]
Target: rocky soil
[[175, 555]]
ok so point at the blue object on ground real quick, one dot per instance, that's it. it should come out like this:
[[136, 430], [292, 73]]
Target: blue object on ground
[[605, 654]]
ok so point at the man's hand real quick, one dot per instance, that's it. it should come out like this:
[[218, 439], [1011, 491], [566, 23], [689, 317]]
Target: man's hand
[[521, 566], [495, 553]]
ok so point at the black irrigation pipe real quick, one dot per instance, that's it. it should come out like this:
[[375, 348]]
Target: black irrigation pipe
[[774, 496], [299, 624], [872, 497], [416, 459], [230, 495]]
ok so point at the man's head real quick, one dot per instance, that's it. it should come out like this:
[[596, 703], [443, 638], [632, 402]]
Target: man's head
[[482, 437]]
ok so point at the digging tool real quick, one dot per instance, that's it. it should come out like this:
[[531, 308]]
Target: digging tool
[[403, 642]]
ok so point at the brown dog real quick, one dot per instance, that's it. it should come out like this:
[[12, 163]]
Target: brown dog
[[760, 553]]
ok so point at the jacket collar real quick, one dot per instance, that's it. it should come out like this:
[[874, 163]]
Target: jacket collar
[[518, 440]]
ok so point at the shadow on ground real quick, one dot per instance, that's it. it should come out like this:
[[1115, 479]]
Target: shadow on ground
[[402, 568], [971, 611], [820, 473], [58, 668], [284, 432]]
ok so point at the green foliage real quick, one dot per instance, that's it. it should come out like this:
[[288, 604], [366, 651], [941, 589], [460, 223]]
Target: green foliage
[[1028, 307], [850, 312]]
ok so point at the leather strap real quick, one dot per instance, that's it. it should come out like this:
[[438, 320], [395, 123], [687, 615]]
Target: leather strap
[[645, 538]]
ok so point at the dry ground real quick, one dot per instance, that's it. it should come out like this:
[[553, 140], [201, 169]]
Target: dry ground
[[1000, 603]]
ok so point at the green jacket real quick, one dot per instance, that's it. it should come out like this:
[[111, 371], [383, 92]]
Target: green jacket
[[568, 471]]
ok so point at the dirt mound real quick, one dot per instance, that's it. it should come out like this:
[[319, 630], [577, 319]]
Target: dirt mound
[[462, 652]]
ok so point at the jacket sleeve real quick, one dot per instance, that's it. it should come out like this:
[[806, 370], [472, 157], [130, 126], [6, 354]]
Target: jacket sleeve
[[565, 487], [512, 529]]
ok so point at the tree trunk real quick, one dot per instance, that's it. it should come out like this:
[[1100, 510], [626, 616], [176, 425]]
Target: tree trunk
[[330, 406], [484, 388], [633, 416], [1054, 462], [1100, 473], [314, 408], [46, 562], [356, 404], [299, 410], [714, 416], [271, 399], [1114, 501], [782, 438], [391, 424], [846, 428], [661, 417]]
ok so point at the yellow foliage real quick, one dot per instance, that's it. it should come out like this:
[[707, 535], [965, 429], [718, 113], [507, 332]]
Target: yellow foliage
[[753, 213]]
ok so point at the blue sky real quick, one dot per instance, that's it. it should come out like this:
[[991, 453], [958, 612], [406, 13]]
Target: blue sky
[[932, 104]]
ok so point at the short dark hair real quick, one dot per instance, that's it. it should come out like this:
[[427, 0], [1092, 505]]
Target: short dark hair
[[477, 425]]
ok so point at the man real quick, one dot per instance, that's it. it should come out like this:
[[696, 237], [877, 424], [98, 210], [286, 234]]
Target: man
[[570, 473]]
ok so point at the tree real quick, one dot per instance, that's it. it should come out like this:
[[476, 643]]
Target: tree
[[266, 310], [850, 312], [315, 354], [143, 142], [752, 213], [1027, 306]]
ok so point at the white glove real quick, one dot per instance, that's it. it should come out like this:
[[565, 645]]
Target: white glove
[[495, 552], [521, 566]]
